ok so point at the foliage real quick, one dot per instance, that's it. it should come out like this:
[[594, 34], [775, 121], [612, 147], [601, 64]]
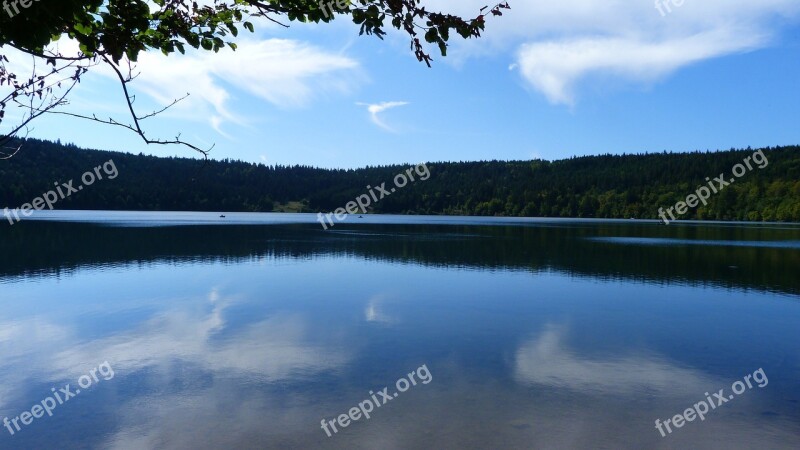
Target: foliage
[[606, 186]]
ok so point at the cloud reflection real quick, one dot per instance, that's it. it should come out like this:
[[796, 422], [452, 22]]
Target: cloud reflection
[[280, 347], [372, 312], [273, 349], [547, 361]]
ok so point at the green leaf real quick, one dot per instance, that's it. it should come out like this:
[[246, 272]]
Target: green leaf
[[84, 29]]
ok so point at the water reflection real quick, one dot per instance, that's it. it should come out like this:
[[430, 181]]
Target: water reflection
[[536, 337], [373, 311], [547, 361], [763, 258]]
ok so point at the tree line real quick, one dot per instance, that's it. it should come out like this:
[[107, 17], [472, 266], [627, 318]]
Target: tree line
[[604, 186]]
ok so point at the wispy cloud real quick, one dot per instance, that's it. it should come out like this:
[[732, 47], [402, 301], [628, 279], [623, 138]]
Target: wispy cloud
[[285, 73], [555, 69], [375, 109], [560, 45]]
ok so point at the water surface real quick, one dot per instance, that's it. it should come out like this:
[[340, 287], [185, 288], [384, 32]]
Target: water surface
[[246, 332]]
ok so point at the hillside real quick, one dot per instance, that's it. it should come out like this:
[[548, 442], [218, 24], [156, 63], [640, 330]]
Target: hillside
[[607, 186]]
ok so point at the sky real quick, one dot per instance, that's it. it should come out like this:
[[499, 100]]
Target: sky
[[549, 80]]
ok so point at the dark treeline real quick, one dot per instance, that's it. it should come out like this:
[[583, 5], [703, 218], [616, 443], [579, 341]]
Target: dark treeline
[[606, 186]]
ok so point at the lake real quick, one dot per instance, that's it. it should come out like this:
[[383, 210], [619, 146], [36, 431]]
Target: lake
[[254, 331]]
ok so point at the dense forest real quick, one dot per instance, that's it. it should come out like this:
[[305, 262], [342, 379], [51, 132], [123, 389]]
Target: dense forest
[[605, 186]]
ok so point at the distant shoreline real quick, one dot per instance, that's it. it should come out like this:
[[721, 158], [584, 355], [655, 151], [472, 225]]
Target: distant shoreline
[[599, 187], [274, 218]]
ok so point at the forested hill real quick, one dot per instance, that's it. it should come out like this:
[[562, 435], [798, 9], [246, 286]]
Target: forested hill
[[607, 186]]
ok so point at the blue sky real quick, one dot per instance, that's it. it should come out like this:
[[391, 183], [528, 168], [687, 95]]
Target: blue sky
[[549, 80]]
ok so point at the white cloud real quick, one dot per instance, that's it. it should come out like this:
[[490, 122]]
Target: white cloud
[[555, 68], [377, 108], [559, 44], [285, 73]]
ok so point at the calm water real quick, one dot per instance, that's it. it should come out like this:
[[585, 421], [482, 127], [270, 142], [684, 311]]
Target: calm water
[[246, 332]]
